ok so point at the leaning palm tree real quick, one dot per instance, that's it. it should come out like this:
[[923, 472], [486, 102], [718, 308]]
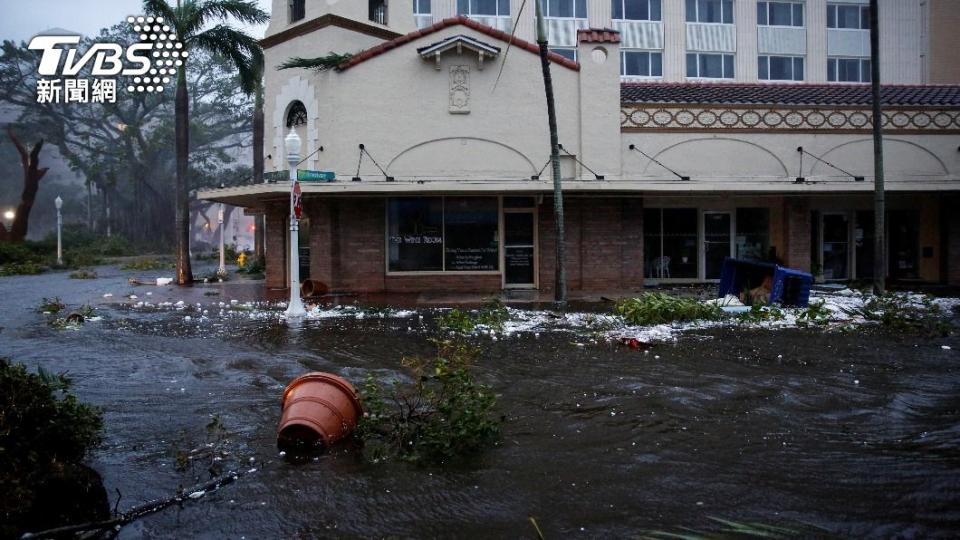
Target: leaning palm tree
[[199, 26]]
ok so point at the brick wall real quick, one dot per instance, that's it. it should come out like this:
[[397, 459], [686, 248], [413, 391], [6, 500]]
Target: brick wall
[[796, 233], [952, 241], [275, 246], [604, 239]]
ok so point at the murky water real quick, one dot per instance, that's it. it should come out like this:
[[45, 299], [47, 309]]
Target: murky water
[[856, 434]]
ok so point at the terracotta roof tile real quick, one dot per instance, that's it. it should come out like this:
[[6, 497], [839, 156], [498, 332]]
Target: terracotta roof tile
[[788, 94], [598, 35], [377, 50]]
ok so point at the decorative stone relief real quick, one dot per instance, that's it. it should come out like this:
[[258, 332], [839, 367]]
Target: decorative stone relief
[[759, 118], [459, 90]]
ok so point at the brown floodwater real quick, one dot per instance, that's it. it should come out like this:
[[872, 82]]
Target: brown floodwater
[[830, 434]]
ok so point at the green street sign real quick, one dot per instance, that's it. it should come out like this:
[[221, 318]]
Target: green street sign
[[316, 176], [302, 175]]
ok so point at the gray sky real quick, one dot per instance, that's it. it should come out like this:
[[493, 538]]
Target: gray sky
[[21, 19]]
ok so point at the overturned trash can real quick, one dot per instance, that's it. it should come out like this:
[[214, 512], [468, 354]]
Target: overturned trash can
[[786, 286], [319, 409]]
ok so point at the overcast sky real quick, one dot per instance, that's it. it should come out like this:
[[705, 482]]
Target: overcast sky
[[21, 19]]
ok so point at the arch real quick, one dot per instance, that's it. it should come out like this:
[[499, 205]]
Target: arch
[[296, 89], [713, 158], [457, 156], [897, 152]]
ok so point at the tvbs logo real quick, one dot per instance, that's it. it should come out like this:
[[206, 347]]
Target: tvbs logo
[[150, 63]]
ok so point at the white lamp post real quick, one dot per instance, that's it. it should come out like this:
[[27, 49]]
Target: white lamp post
[[223, 269], [58, 202], [295, 308]]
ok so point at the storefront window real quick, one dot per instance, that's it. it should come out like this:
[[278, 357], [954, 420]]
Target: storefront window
[[753, 233], [670, 243], [433, 234], [470, 239], [415, 234]]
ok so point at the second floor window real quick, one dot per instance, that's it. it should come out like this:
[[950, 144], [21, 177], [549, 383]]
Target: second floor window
[[848, 16], [780, 68], [710, 11], [484, 8], [637, 10], [779, 13], [298, 10], [566, 52], [569, 9], [421, 7], [641, 64], [709, 66], [848, 70]]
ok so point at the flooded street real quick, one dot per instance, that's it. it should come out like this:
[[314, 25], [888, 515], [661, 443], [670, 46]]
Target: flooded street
[[850, 434]]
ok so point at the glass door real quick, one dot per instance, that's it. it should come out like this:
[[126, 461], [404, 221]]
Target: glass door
[[717, 242], [519, 249], [835, 246]]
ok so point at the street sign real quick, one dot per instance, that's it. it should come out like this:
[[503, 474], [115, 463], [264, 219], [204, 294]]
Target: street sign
[[316, 176], [297, 199]]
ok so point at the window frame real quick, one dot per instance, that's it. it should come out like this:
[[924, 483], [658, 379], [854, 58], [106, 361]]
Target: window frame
[[443, 243], [293, 11], [723, 65], [863, 16], [623, 10], [546, 4], [416, 7], [793, 13], [565, 49], [723, 11], [470, 13], [864, 69], [649, 53], [765, 58]]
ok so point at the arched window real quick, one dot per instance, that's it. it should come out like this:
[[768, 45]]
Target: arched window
[[296, 115]]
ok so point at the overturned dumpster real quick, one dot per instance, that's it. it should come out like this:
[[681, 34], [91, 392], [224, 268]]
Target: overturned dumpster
[[766, 283]]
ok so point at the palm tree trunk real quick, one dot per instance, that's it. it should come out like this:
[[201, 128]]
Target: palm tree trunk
[[258, 255], [182, 128], [560, 294], [879, 204]]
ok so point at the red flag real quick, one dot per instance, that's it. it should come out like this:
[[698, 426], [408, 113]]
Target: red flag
[[297, 199]]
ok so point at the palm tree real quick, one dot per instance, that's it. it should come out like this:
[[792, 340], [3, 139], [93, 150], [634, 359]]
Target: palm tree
[[199, 26], [258, 237]]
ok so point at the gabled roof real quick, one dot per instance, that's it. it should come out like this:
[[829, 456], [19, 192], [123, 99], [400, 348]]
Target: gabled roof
[[857, 95], [456, 42], [377, 50]]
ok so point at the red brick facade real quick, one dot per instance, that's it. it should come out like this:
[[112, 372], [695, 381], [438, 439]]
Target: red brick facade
[[796, 233], [347, 248]]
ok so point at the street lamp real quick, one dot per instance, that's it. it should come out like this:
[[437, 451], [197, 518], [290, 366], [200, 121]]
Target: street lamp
[[223, 269], [292, 145], [58, 202]]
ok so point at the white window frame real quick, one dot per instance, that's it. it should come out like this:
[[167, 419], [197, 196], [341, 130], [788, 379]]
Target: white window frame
[[792, 13], [863, 9], [696, 17], [416, 7], [733, 61], [546, 10], [860, 60], [650, 53], [470, 12], [623, 10], [793, 67]]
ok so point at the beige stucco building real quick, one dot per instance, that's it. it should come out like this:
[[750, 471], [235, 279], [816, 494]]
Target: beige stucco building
[[682, 124]]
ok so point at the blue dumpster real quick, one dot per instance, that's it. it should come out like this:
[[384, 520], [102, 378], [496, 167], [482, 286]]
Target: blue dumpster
[[789, 287]]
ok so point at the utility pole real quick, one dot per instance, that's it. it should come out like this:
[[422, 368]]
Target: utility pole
[[560, 294], [879, 203]]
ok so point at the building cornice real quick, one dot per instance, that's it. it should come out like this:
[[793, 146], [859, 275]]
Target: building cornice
[[324, 21]]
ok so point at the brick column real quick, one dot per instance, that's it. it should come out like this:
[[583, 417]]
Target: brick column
[[796, 227], [631, 265], [323, 240], [275, 246]]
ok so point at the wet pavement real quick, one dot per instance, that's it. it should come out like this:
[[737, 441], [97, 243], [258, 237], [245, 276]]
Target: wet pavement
[[843, 434]]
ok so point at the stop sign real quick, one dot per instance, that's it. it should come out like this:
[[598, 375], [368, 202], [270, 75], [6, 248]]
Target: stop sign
[[297, 199]]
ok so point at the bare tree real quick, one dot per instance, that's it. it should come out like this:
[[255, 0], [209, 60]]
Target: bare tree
[[32, 174]]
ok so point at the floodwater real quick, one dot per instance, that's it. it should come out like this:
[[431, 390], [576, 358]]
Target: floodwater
[[833, 434]]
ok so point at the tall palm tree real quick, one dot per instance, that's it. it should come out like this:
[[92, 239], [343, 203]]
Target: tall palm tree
[[199, 25], [258, 237]]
